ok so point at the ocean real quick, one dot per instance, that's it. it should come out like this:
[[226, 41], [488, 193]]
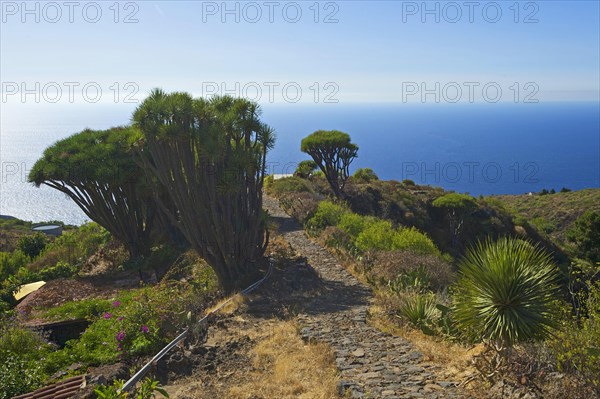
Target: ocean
[[481, 149]]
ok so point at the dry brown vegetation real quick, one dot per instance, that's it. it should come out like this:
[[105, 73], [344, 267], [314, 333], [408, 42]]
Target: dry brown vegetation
[[286, 367], [269, 360]]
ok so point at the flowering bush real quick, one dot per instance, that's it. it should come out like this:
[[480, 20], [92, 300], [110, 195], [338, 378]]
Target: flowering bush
[[138, 322]]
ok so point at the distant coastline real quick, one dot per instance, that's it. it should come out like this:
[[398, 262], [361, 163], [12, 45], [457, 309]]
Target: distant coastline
[[504, 149]]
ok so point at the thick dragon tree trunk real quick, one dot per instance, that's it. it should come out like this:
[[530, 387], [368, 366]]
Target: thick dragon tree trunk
[[219, 211], [213, 171], [120, 210]]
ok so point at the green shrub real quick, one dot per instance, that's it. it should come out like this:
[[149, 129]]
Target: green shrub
[[388, 265], [6, 266], [576, 345], [365, 175], [85, 240], [15, 223], [5, 305], [138, 322], [377, 236], [543, 225], [380, 235], [17, 375], [305, 169], [424, 312], [10, 263], [408, 182], [585, 233], [96, 346], [26, 276], [327, 214], [21, 353], [61, 269], [416, 280], [519, 220], [146, 390], [505, 292], [412, 239], [289, 185], [22, 342], [90, 308], [32, 245], [353, 224], [73, 247], [7, 290], [268, 182]]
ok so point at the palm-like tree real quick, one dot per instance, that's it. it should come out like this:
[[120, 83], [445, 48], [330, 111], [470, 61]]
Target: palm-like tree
[[505, 293], [209, 158], [96, 169], [333, 153]]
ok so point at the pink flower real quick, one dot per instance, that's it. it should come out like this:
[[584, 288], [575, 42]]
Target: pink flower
[[116, 304], [145, 329], [120, 318], [120, 336], [107, 315]]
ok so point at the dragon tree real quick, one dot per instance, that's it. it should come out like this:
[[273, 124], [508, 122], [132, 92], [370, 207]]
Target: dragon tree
[[97, 170], [210, 157], [333, 153]]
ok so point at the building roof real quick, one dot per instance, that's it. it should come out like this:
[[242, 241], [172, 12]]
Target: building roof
[[61, 390]]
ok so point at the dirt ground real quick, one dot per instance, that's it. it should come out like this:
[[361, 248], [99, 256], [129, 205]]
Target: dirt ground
[[254, 350]]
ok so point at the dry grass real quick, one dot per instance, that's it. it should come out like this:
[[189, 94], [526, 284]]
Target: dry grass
[[279, 248], [236, 303], [270, 361], [285, 367]]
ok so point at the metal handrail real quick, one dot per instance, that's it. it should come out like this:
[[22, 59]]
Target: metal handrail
[[142, 372]]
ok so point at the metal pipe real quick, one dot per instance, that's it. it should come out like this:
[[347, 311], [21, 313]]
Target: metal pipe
[[142, 372]]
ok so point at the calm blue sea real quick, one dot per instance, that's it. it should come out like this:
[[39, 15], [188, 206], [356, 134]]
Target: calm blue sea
[[480, 149]]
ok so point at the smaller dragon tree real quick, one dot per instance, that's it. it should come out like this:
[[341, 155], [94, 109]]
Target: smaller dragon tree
[[97, 170], [458, 208], [333, 153]]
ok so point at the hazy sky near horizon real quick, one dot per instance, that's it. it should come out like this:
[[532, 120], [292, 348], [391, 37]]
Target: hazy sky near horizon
[[305, 51]]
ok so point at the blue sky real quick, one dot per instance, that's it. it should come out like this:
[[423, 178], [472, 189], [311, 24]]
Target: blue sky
[[370, 51]]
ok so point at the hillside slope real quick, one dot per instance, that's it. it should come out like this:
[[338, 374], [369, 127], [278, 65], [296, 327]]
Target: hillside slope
[[552, 214]]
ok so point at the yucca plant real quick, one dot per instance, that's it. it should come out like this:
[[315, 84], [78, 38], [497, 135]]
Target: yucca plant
[[505, 294], [417, 280], [420, 310]]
